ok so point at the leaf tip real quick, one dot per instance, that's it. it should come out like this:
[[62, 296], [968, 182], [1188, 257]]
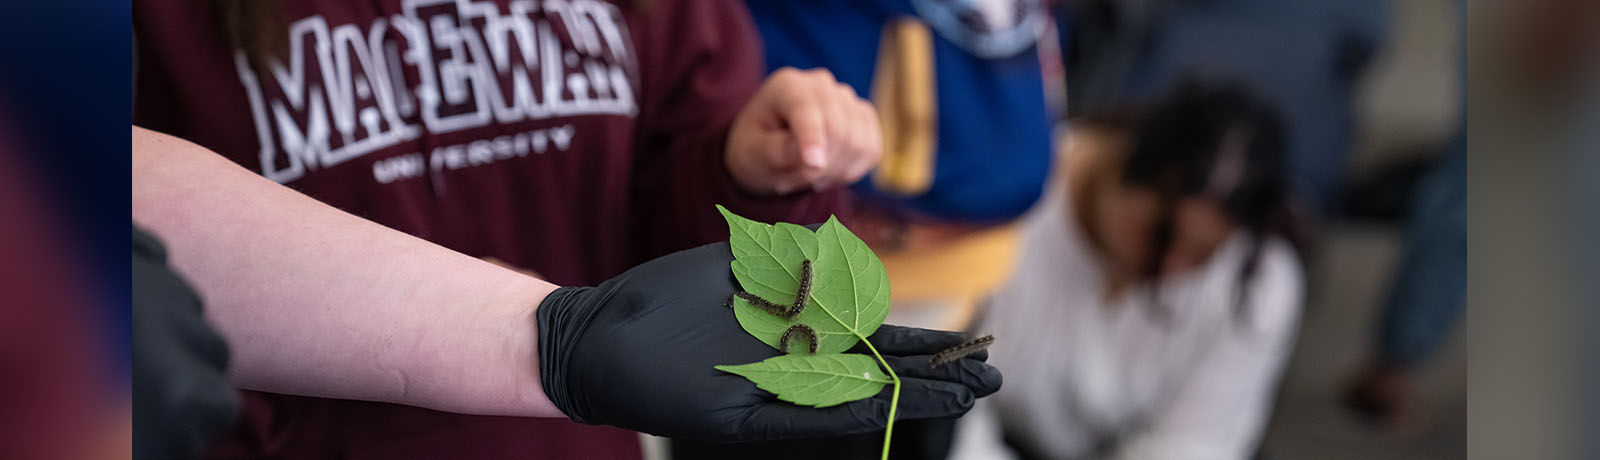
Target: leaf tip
[[833, 225], [728, 214], [735, 220]]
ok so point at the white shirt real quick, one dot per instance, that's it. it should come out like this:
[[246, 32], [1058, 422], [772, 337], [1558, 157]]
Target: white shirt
[[1086, 378]]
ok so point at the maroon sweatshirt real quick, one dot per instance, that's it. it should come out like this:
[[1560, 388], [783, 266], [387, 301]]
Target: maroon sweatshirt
[[572, 138]]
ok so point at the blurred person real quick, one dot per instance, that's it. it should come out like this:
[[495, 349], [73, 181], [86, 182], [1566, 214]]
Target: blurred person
[[571, 139], [1158, 293], [966, 133], [960, 90]]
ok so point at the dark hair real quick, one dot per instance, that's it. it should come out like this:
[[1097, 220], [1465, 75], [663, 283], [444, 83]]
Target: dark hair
[[1218, 141]]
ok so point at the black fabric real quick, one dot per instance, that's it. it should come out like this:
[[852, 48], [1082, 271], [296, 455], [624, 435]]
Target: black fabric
[[181, 398], [639, 351]]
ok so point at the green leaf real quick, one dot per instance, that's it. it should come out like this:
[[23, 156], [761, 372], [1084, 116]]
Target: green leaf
[[849, 300], [767, 261], [816, 380], [850, 282]]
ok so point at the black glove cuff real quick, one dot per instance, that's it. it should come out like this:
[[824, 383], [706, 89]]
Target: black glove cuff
[[563, 317]]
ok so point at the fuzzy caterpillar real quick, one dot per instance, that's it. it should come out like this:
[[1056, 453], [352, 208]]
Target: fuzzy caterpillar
[[965, 349], [802, 296], [800, 330]]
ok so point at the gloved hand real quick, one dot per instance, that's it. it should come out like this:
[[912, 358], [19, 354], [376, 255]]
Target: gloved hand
[[181, 397], [638, 352]]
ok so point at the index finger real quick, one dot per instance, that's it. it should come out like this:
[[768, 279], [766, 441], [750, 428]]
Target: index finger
[[802, 113]]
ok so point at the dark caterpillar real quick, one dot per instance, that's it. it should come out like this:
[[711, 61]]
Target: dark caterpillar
[[802, 295], [965, 349], [786, 312], [802, 330]]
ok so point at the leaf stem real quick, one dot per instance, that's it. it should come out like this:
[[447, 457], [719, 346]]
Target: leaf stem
[[894, 400]]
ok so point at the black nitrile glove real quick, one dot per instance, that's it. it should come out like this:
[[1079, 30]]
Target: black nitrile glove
[[639, 352], [181, 397]]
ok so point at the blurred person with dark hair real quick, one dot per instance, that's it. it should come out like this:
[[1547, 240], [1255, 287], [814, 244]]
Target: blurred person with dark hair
[[570, 139], [1157, 295]]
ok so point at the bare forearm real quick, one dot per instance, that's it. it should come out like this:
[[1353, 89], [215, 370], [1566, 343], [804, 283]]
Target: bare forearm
[[315, 301]]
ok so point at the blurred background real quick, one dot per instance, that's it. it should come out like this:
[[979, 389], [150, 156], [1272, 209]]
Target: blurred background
[[1368, 99], [1406, 110]]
